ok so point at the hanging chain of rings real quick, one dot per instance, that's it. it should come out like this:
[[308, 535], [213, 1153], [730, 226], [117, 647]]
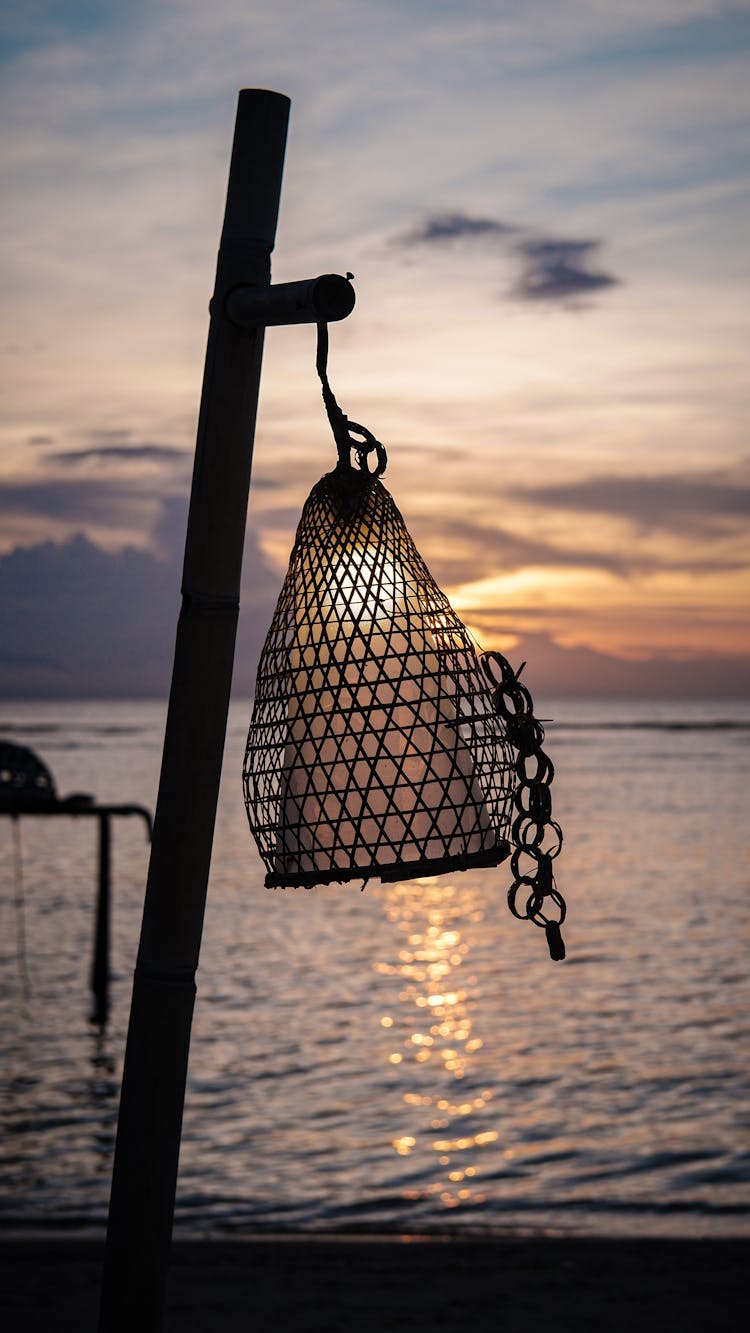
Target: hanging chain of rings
[[537, 837]]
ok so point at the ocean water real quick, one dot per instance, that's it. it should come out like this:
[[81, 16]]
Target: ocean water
[[406, 1057]]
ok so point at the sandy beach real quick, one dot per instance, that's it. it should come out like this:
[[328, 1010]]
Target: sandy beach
[[377, 1284]]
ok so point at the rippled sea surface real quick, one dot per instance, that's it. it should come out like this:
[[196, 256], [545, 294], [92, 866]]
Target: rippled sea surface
[[406, 1057]]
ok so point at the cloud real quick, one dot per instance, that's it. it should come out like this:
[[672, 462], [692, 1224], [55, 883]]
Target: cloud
[[555, 671], [551, 269], [702, 502], [95, 500], [93, 490], [442, 227], [79, 620], [40, 441], [557, 270], [463, 551], [126, 452]]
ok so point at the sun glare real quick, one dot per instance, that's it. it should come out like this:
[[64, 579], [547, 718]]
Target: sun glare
[[438, 1050]]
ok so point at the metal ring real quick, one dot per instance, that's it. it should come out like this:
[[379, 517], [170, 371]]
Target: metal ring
[[534, 799], [512, 701], [533, 853], [524, 881], [364, 446], [524, 733], [555, 850], [545, 769], [523, 826], [536, 914], [507, 675]]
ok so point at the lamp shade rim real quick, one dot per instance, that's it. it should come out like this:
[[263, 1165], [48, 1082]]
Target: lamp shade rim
[[391, 874]]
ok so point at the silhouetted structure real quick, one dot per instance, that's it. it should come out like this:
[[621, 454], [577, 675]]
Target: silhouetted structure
[[27, 788]]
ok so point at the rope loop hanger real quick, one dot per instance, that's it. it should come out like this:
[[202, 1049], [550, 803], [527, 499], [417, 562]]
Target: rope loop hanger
[[350, 437], [383, 743]]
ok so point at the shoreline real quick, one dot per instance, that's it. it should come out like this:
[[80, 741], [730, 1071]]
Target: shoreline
[[384, 1283]]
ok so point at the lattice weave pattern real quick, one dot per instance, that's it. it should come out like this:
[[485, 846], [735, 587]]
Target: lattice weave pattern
[[374, 748]]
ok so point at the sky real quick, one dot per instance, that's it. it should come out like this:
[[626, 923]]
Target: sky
[[544, 205]]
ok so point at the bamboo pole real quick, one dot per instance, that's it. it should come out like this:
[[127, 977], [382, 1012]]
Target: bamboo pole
[[156, 1058]]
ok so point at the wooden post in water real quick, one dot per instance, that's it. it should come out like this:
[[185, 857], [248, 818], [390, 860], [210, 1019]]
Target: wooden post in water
[[153, 1087], [100, 964]]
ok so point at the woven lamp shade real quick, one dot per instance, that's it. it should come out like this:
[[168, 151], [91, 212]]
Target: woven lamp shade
[[374, 748]]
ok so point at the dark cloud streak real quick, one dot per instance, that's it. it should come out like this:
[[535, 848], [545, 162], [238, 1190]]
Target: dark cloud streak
[[87, 500], [668, 500], [486, 551], [459, 551], [553, 671], [99, 499], [122, 452], [557, 270], [552, 269], [442, 227]]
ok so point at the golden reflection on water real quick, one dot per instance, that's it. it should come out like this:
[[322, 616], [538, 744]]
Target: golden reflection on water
[[434, 1043]]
